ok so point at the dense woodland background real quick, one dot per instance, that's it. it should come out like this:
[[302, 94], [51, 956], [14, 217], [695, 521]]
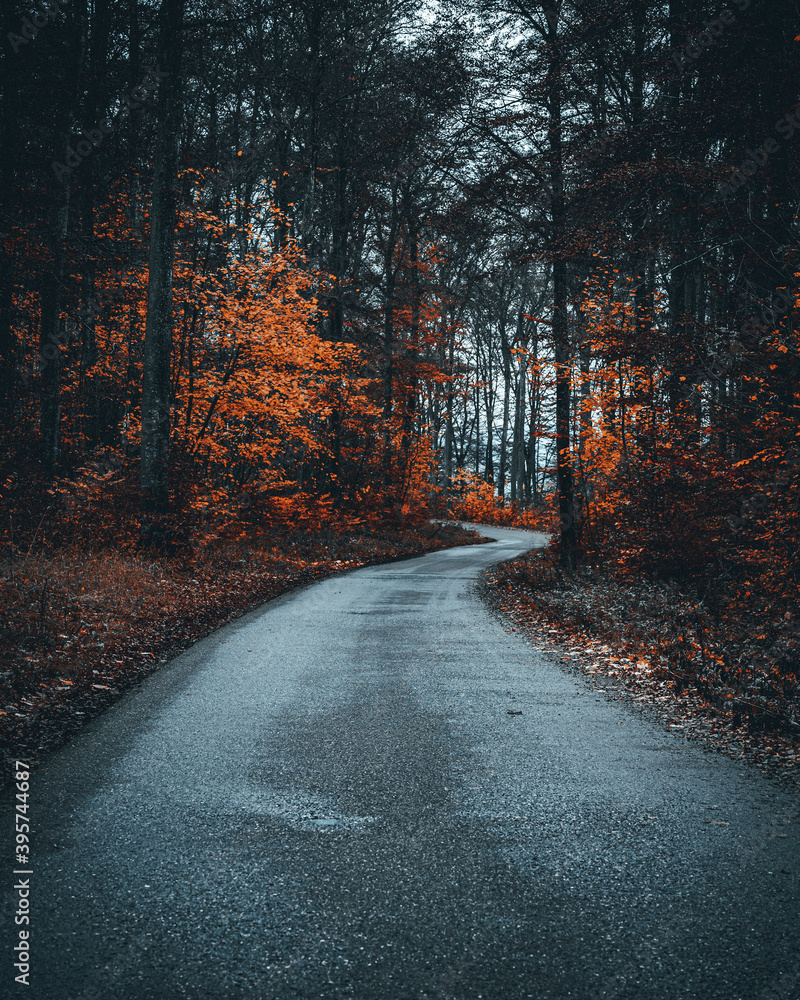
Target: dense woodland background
[[367, 260]]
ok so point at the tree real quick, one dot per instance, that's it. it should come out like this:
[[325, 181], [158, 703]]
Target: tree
[[156, 399]]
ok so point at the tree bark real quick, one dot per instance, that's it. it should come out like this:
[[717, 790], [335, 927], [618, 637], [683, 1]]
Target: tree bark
[[506, 352], [158, 330], [9, 139], [50, 354], [564, 476], [50, 333]]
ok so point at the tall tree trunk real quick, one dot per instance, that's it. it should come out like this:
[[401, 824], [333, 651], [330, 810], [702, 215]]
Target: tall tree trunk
[[93, 408], [50, 418], [9, 138], [489, 406], [57, 225], [388, 374], [410, 390], [158, 329], [564, 477], [449, 433], [521, 428], [534, 405], [504, 347], [477, 430]]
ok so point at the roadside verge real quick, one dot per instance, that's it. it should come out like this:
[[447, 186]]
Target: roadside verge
[[641, 643], [79, 629]]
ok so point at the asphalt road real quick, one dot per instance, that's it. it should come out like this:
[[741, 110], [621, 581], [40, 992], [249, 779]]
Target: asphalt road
[[330, 799]]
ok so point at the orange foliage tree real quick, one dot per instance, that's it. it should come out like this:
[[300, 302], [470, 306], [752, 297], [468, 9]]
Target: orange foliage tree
[[269, 418], [687, 491]]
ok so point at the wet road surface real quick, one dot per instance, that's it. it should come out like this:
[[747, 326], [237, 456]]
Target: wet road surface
[[329, 798]]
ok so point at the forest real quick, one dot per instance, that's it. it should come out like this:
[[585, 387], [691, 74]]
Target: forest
[[340, 268]]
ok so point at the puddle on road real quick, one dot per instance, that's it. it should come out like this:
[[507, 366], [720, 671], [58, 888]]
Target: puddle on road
[[382, 610], [302, 810]]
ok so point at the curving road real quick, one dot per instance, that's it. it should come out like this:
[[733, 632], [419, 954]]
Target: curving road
[[330, 799]]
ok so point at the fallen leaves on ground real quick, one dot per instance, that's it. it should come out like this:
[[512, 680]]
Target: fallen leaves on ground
[[78, 629], [652, 646]]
